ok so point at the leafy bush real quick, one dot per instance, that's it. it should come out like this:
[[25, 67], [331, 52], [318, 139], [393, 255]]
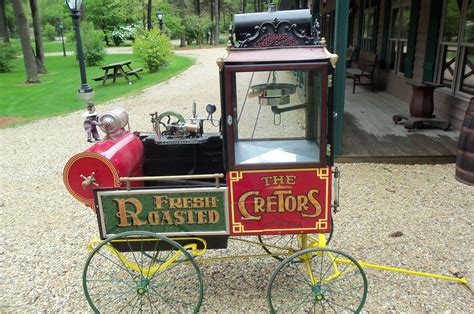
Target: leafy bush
[[93, 44], [196, 28], [7, 55], [154, 48], [122, 33], [49, 32]]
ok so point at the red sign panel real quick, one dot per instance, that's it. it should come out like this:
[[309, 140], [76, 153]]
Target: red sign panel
[[280, 201]]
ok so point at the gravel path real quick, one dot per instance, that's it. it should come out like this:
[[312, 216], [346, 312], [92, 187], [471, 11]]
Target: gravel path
[[44, 230]]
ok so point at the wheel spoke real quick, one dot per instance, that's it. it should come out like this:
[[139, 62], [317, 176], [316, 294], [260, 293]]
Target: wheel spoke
[[111, 286]]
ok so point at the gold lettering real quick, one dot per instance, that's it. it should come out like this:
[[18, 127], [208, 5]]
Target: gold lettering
[[302, 200], [242, 208], [277, 180], [176, 203], [315, 202], [187, 202], [259, 204], [178, 217], [291, 180], [123, 214], [281, 200], [290, 203], [198, 202], [159, 200], [165, 216], [213, 216], [271, 200], [201, 216], [266, 180], [190, 217], [153, 218], [211, 202]]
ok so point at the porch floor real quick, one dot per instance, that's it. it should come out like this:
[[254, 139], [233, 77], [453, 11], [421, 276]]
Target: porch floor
[[371, 136]]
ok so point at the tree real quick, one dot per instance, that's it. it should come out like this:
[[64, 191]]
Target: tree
[[217, 4], [28, 57], [148, 16], [3, 23], [39, 50], [182, 14]]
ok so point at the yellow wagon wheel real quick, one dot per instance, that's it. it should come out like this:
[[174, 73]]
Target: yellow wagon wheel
[[141, 271], [317, 280], [281, 246]]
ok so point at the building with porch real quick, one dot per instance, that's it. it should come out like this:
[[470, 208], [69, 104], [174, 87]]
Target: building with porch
[[416, 42]]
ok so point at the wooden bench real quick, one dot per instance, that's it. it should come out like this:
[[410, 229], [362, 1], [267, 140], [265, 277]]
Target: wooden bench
[[363, 74], [119, 69], [134, 72]]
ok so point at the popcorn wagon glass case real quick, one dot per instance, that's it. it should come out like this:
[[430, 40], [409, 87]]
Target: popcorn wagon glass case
[[276, 105]]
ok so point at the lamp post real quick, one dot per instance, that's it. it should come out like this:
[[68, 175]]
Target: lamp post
[[61, 33], [85, 91], [160, 15]]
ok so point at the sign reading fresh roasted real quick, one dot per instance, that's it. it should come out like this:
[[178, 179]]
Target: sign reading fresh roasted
[[278, 201], [166, 211]]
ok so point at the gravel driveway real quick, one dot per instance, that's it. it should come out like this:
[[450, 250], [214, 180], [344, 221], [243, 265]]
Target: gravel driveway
[[44, 230]]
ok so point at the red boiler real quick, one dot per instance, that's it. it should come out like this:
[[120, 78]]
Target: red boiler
[[102, 165]]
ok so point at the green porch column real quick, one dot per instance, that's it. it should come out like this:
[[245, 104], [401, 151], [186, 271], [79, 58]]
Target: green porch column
[[340, 47]]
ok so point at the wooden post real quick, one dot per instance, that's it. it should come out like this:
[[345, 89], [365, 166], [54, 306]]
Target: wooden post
[[340, 47]]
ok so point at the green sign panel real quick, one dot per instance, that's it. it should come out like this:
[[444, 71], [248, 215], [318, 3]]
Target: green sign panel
[[166, 211]]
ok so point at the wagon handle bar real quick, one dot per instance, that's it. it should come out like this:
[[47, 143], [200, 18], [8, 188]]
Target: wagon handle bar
[[215, 176]]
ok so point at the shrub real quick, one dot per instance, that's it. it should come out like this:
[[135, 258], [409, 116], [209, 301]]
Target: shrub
[[122, 33], [154, 48], [196, 28], [49, 32], [93, 44], [7, 55]]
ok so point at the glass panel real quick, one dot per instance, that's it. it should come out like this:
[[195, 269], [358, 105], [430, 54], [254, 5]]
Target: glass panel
[[368, 23], [403, 49], [448, 65], [404, 22], [467, 80], [395, 23], [451, 20], [469, 24], [279, 119]]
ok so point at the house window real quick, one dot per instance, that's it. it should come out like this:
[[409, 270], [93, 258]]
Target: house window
[[368, 24], [398, 38], [456, 47]]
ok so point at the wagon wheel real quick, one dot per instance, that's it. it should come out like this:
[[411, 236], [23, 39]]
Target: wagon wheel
[[165, 119], [280, 246], [142, 277], [325, 281]]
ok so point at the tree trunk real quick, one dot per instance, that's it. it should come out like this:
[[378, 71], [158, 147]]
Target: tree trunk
[[182, 36], [148, 15], [39, 52], [3, 23], [244, 6], [28, 57], [211, 3], [197, 7], [216, 18]]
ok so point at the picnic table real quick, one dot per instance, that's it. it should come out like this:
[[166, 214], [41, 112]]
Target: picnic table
[[114, 70]]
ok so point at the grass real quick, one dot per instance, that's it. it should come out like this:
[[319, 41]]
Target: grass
[[56, 94]]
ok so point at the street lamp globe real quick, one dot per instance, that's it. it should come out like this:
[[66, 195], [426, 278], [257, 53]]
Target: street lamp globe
[[74, 5], [160, 15]]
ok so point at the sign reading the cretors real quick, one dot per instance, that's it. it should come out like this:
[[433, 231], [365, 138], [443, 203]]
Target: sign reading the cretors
[[280, 201], [166, 211]]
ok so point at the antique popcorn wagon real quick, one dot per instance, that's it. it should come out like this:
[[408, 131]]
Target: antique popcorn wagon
[[262, 170]]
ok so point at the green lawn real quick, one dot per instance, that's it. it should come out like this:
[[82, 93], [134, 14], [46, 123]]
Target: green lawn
[[56, 94]]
